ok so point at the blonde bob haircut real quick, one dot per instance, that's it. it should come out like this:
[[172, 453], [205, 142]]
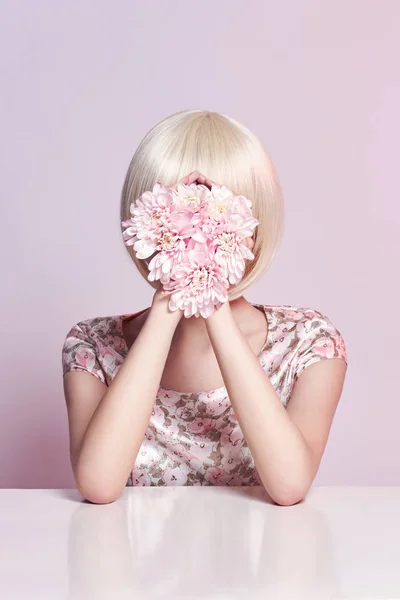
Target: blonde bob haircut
[[228, 153]]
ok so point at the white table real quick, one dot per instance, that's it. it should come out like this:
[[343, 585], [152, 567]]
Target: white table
[[200, 542]]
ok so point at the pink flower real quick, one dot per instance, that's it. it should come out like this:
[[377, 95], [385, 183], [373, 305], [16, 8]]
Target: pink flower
[[324, 346], [200, 425], [223, 201], [175, 476], [235, 223], [85, 358], [187, 218], [193, 237], [201, 448], [168, 397], [219, 203], [140, 477], [230, 253], [199, 285], [171, 246], [191, 197], [217, 476], [231, 459], [150, 219]]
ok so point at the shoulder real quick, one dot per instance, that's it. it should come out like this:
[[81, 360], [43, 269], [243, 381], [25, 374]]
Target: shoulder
[[308, 321], [313, 334], [314, 324], [94, 329], [83, 344]]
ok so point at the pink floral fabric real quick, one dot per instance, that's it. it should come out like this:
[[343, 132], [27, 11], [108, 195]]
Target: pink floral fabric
[[195, 439]]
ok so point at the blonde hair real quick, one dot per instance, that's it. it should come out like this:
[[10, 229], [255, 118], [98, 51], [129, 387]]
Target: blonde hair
[[226, 152]]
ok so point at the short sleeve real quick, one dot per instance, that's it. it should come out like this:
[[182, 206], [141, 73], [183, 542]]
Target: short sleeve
[[320, 340], [79, 354]]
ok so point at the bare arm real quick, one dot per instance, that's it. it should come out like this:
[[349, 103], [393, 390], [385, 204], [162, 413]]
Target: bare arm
[[287, 444], [107, 425]]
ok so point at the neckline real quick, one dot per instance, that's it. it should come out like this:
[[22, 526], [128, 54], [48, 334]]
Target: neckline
[[266, 309]]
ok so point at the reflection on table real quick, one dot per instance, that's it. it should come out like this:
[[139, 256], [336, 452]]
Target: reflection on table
[[200, 542], [197, 544]]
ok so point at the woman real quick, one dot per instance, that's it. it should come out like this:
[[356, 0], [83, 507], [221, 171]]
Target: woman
[[155, 398]]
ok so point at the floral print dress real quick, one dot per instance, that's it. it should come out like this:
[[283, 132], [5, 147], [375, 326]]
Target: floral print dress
[[195, 439]]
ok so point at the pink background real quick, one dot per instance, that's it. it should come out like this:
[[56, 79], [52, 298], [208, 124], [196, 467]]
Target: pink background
[[83, 82]]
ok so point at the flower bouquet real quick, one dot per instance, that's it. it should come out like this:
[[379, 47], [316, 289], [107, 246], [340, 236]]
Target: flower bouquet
[[193, 237]]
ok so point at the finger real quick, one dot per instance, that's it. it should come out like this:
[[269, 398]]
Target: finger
[[204, 180], [249, 242], [186, 180], [194, 177]]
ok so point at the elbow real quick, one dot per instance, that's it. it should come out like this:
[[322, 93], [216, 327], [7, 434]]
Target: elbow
[[287, 491], [97, 492], [288, 498], [98, 496], [287, 495]]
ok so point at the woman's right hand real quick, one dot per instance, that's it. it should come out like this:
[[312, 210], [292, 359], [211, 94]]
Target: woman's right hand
[[194, 177], [160, 304]]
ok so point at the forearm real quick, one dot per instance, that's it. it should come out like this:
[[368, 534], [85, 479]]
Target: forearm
[[115, 433], [279, 450]]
